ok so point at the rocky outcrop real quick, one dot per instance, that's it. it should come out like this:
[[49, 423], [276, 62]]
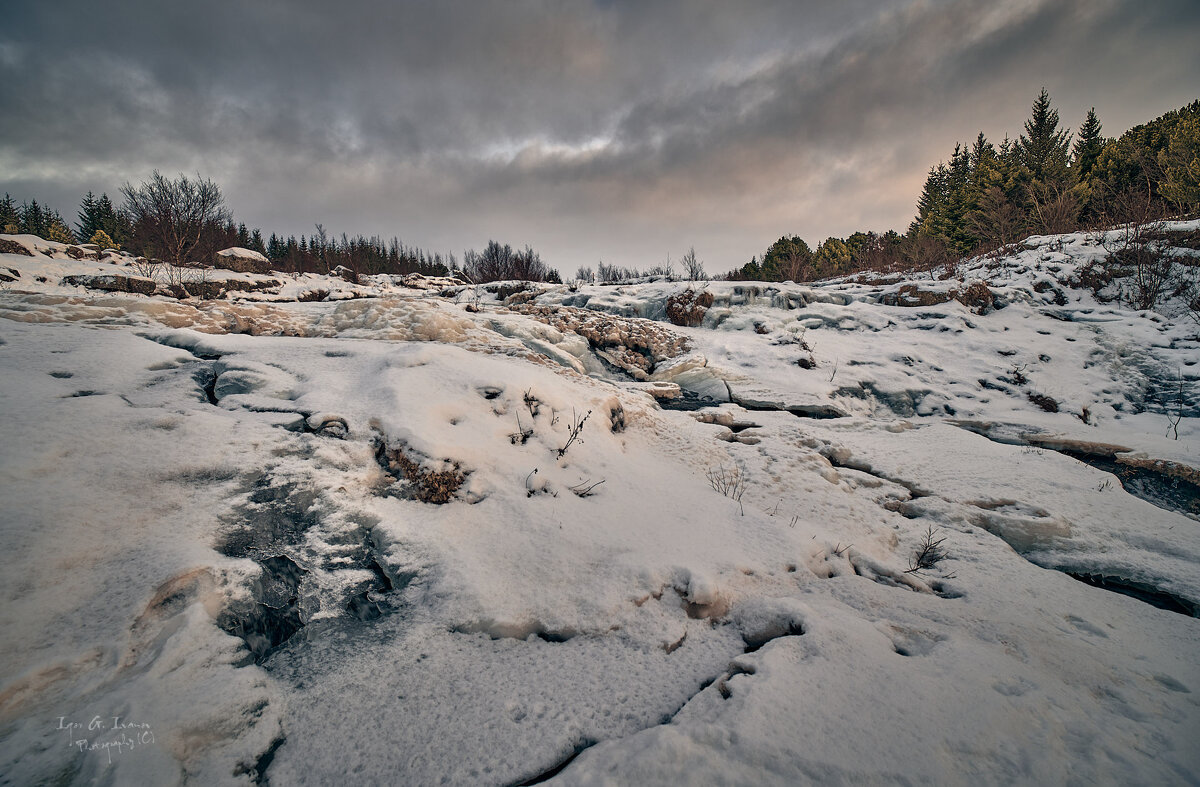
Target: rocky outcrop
[[12, 247], [631, 344], [112, 283], [688, 307], [81, 253], [977, 297]]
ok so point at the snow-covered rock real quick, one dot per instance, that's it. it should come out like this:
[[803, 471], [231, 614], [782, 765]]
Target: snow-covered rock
[[242, 260]]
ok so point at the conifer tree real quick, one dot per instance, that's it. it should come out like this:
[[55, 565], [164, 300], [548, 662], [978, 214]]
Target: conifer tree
[[786, 259], [10, 220], [102, 239], [87, 216], [57, 229], [33, 219], [1088, 145], [1180, 164], [1042, 149]]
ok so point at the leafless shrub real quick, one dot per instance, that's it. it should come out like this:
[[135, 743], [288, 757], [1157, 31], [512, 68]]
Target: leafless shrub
[[1055, 209], [730, 482], [574, 432], [147, 268], [428, 485]]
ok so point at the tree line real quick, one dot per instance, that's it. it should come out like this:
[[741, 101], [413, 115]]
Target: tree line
[[987, 196], [184, 221]]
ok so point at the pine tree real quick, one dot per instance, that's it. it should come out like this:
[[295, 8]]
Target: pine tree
[[1088, 145]]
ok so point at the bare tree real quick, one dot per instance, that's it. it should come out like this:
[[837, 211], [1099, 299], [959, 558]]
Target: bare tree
[[692, 267], [174, 214]]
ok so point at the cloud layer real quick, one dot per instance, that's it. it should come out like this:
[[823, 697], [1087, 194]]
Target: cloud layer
[[617, 130]]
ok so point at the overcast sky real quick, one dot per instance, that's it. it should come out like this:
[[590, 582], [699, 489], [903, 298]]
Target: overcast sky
[[621, 130]]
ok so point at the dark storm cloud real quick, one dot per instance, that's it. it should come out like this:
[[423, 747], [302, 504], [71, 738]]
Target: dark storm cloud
[[622, 130]]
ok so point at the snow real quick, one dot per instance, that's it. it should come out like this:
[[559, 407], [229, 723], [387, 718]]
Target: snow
[[216, 530], [237, 252]]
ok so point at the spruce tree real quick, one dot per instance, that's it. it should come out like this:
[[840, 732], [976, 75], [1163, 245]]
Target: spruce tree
[[1088, 145], [1042, 149], [33, 219], [87, 216], [10, 220]]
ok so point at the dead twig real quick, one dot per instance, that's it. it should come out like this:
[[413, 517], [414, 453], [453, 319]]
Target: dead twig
[[584, 488], [574, 433], [928, 553]]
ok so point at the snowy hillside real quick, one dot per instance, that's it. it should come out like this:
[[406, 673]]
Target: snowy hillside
[[308, 531]]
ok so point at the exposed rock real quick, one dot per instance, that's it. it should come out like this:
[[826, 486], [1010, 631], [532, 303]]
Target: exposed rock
[[9, 274], [80, 253], [977, 297], [418, 281], [112, 283], [242, 260], [688, 307], [912, 295], [255, 285], [12, 247], [632, 344]]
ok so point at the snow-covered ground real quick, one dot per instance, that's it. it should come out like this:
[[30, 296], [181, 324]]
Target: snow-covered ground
[[353, 540]]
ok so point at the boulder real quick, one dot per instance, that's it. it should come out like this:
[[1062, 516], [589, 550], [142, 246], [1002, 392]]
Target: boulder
[[242, 260]]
